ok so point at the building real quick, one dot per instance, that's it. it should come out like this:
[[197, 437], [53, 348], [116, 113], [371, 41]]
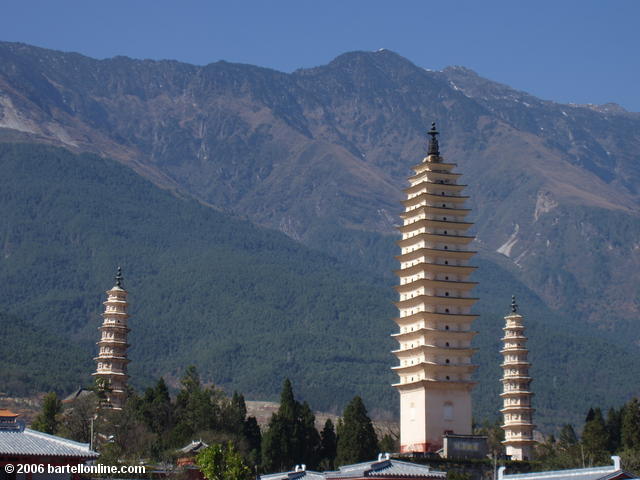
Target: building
[[382, 468], [187, 460], [516, 383], [607, 472], [434, 322], [465, 446], [23, 446], [111, 362], [300, 472]]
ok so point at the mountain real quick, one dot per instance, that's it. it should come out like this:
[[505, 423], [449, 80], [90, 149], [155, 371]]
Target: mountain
[[321, 155], [247, 305]]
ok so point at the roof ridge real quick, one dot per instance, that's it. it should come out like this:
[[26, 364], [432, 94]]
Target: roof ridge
[[61, 440]]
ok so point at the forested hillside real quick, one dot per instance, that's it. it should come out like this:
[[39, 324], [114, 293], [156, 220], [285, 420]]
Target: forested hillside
[[247, 305], [322, 153]]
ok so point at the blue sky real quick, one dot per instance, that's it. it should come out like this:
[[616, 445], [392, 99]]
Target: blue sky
[[568, 51]]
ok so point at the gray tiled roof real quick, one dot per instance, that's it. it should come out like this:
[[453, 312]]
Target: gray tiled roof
[[31, 442], [386, 468], [301, 475], [380, 468], [605, 472], [194, 447]]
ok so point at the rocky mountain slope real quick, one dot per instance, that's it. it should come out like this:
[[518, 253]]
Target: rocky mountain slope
[[248, 305], [321, 154]]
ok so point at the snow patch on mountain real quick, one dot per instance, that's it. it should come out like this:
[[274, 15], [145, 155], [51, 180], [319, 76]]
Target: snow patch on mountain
[[506, 247]]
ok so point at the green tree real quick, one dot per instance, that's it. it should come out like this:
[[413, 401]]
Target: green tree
[[222, 462], [156, 409], [234, 413], [197, 408], [308, 437], [388, 443], [278, 446], [630, 425], [595, 439], [291, 437], [48, 420], [614, 428], [357, 441], [567, 437], [328, 445], [253, 436], [568, 450]]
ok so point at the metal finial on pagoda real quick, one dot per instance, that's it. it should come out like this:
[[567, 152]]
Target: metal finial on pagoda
[[514, 305], [434, 148], [119, 278]]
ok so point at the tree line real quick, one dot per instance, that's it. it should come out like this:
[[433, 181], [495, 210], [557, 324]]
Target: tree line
[[154, 426], [616, 434]]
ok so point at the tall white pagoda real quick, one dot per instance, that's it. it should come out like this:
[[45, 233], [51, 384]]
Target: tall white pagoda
[[112, 358], [516, 395], [434, 322]]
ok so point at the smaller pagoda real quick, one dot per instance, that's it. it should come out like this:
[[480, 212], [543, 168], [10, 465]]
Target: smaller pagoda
[[111, 369], [516, 395]]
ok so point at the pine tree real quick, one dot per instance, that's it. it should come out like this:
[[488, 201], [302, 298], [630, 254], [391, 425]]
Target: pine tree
[[567, 437], [48, 420], [595, 439], [309, 438], [388, 444], [568, 451], [357, 441], [630, 425], [291, 437], [155, 408], [328, 445], [197, 408], [614, 429], [252, 434], [278, 446]]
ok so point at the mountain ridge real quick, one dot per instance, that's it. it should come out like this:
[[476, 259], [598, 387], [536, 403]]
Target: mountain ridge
[[322, 153]]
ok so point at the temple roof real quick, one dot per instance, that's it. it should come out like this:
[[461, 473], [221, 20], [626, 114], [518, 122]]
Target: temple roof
[[294, 475], [607, 472], [194, 447], [32, 442], [385, 468]]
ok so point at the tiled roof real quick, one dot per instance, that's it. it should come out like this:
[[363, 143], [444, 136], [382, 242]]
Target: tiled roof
[[381, 468], [194, 447], [300, 475], [31, 442], [594, 473], [386, 468]]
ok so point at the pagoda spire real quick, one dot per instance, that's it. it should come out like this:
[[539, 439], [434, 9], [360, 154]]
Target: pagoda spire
[[516, 396], [434, 321], [434, 148], [111, 362], [119, 278]]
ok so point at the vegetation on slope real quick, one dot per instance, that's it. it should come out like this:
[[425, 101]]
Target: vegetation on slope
[[247, 305]]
